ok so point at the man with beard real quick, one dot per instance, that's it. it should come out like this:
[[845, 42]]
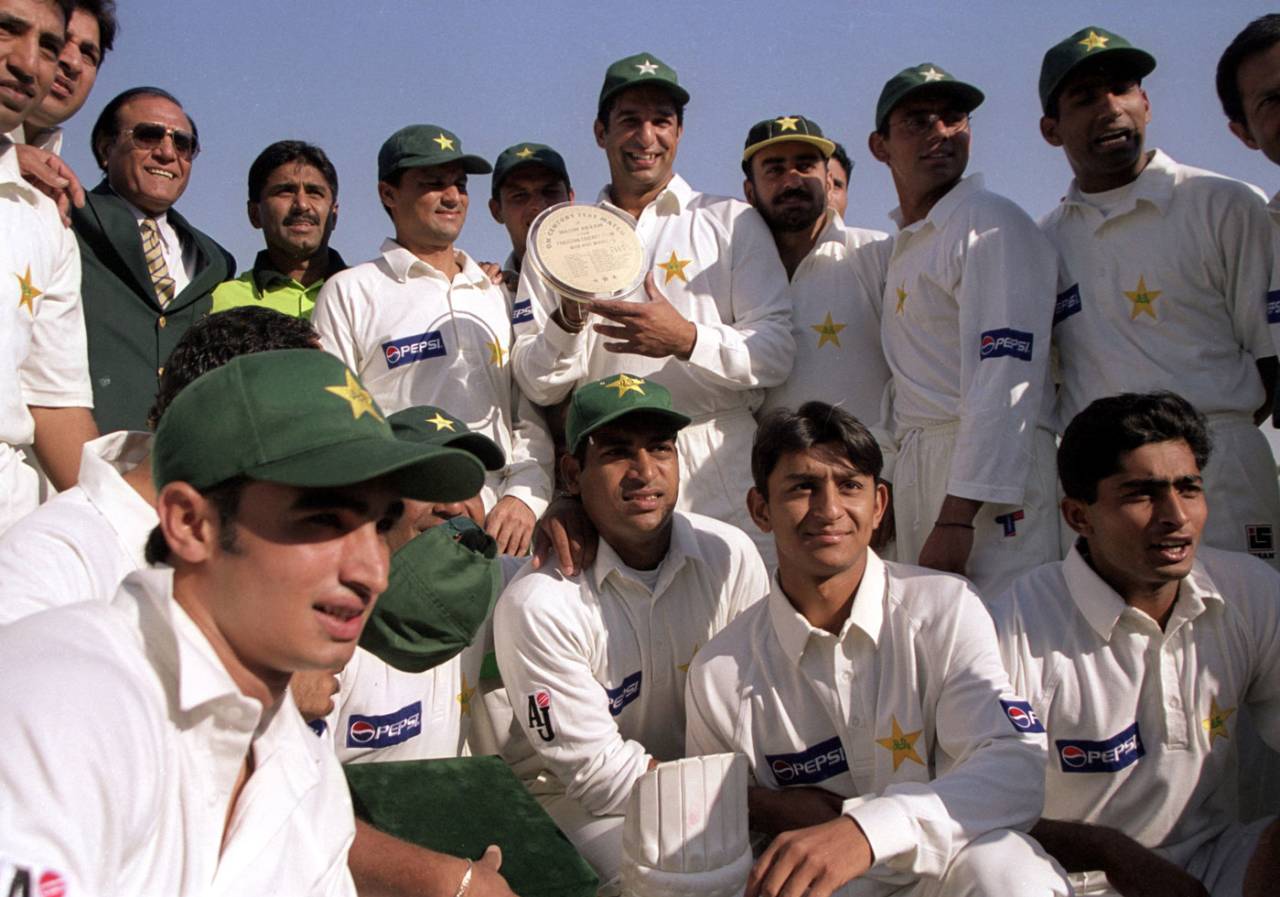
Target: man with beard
[[293, 200]]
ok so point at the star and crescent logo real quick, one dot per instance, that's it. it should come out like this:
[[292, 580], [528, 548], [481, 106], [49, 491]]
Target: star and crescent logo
[[446, 143], [525, 153], [902, 298], [27, 292], [441, 422], [828, 332], [1143, 300], [902, 745], [625, 384], [357, 397], [674, 267], [496, 352], [787, 123], [647, 68], [932, 74], [464, 696], [1094, 41], [1216, 723]]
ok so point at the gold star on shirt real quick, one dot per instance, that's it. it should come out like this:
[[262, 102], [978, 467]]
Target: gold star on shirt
[[1143, 300], [464, 696], [902, 744], [525, 153], [932, 75], [787, 123], [496, 352], [902, 298], [356, 396], [441, 422], [1216, 724], [674, 267], [828, 331], [1094, 41], [625, 384], [646, 67], [28, 292], [445, 142], [684, 667]]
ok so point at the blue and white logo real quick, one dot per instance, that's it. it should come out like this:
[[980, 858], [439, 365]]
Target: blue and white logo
[[1024, 719], [810, 766], [1273, 307], [1068, 304], [1014, 343], [408, 349], [1117, 752], [522, 311], [384, 731], [624, 694]]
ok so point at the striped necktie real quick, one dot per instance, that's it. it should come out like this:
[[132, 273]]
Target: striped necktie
[[154, 255]]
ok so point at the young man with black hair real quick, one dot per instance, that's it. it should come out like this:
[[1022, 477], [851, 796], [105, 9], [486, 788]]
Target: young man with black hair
[[1138, 654], [838, 177], [888, 751]]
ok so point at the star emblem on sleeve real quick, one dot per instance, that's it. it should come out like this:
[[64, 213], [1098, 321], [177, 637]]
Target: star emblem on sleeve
[[828, 332], [27, 292], [1093, 41], [524, 153], [464, 696], [496, 353], [625, 384], [787, 123], [357, 397], [1143, 300], [674, 267], [1216, 723], [441, 422], [445, 142], [902, 298], [647, 68], [902, 745], [932, 74]]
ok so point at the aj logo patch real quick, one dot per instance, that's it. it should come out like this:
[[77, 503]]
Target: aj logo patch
[[540, 715]]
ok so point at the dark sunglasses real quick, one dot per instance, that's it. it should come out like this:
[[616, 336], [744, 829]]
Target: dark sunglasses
[[149, 135]]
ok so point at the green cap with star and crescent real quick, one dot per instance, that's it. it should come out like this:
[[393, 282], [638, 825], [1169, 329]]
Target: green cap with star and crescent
[[1089, 45], [603, 401], [432, 425], [636, 71], [924, 77], [419, 146], [786, 127]]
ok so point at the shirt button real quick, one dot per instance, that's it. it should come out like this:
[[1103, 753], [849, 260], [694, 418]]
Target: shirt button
[[161, 321]]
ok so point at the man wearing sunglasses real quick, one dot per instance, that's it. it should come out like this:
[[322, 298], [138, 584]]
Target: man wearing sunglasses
[[148, 273]]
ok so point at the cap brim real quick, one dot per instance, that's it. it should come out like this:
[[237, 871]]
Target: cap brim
[[480, 445], [827, 146], [680, 420], [680, 95], [1131, 60], [422, 472], [969, 96], [470, 164]]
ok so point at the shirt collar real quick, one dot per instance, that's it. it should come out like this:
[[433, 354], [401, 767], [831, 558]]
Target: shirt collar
[[11, 176], [103, 464], [264, 275], [943, 208], [867, 613], [404, 264], [671, 201], [1154, 185], [684, 547]]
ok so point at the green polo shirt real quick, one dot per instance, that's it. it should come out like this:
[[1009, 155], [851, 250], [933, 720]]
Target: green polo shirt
[[263, 285]]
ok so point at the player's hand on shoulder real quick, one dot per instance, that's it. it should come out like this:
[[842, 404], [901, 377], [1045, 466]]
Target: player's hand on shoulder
[[51, 176], [511, 523], [565, 534]]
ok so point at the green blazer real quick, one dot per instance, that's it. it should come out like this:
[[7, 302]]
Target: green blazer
[[129, 335]]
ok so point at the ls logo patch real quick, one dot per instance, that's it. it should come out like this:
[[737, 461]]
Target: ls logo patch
[[810, 766], [1013, 343], [522, 311], [386, 730], [408, 349], [1068, 304], [540, 715], [624, 694], [1024, 719], [1117, 752], [1261, 540]]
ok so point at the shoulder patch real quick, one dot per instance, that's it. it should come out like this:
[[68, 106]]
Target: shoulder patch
[[1005, 341]]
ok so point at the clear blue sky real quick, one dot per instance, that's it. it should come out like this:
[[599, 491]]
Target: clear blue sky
[[346, 75]]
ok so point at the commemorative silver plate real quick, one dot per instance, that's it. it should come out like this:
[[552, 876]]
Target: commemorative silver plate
[[586, 252]]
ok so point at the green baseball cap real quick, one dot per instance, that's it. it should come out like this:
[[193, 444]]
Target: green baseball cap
[[925, 76], [418, 146], [603, 401], [441, 589], [786, 127], [431, 425], [298, 417], [1086, 45], [521, 154], [636, 71]]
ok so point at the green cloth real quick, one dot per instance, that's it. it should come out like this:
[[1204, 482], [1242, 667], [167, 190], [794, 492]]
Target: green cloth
[[1090, 45], [640, 70], [460, 806], [921, 78], [130, 335], [301, 418], [420, 146], [603, 401], [265, 287], [784, 128]]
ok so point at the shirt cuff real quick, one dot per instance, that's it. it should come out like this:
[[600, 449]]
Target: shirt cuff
[[706, 348], [565, 341], [996, 495], [888, 829]]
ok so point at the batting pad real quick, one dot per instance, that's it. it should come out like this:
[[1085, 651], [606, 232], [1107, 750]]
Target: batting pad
[[685, 833]]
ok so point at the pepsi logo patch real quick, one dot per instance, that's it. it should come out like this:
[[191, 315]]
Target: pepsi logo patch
[[522, 311], [1024, 719], [1006, 342], [1067, 304], [1111, 755], [626, 692], [408, 349], [1273, 307], [386, 730], [810, 766]]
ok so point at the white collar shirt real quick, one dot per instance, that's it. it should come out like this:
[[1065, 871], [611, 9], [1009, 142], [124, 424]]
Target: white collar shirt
[[607, 659], [180, 257], [836, 300], [1142, 722], [415, 337], [906, 712], [716, 262], [968, 304], [125, 736], [81, 543], [43, 350], [1172, 291], [51, 141]]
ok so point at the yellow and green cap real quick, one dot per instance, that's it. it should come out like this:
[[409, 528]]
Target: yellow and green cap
[[786, 127], [603, 401], [418, 146], [924, 77], [1087, 46], [298, 417], [522, 154], [637, 71], [432, 425]]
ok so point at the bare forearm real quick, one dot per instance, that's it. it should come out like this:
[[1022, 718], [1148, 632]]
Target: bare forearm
[[60, 437], [385, 866], [772, 812]]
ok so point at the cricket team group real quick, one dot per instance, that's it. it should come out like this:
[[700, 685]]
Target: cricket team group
[[964, 536]]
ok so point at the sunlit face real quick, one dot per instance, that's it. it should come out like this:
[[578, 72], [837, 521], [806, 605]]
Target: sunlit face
[[640, 139], [428, 206], [1258, 78], [927, 145], [837, 187], [524, 193], [152, 178], [296, 210], [32, 33], [788, 185], [76, 73], [1101, 125]]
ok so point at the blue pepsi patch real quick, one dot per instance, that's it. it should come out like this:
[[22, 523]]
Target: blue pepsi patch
[[1273, 307], [384, 731], [408, 349], [810, 766], [1024, 719], [624, 694], [1117, 752], [318, 726], [1068, 304], [522, 311], [1014, 343]]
